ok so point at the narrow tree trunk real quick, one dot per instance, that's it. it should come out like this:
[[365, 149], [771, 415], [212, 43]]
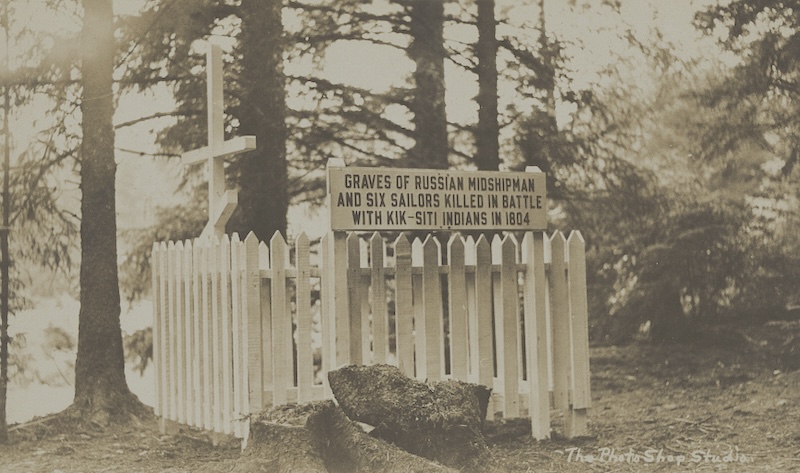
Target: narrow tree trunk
[[100, 386], [263, 198], [4, 255], [486, 139], [427, 51]]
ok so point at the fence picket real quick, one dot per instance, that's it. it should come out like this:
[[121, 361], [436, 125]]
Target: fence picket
[[172, 383], [305, 361], [510, 315], [432, 302], [251, 319], [404, 309], [536, 335], [216, 333], [483, 315], [420, 328], [266, 326], [457, 304], [282, 364], [579, 335], [472, 309], [177, 335], [155, 265], [354, 298], [327, 327], [380, 332], [226, 360], [236, 333], [559, 313], [188, 335]]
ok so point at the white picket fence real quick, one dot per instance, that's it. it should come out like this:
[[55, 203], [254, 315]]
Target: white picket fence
[[237, 324]]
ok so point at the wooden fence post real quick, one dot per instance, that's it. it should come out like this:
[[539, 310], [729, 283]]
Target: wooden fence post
[[237, 334], [305, 361], [252, 326], [282, 364], [483, 309], [559, 313], [432, 305], [579, 330], [509, 313], [380, 322], [404, 310], [536, 334], [457, 303], [226, 334], [354, 315]]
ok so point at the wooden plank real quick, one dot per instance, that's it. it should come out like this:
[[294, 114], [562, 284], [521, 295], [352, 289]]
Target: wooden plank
[[432, 301], [472, 318], [197, 337], [579, 329], [338, 273], [216, 335], [420, 327], [179, 375], [404, 311], [266, 323], [536, 334], [364, 308], [206, 354], [188, 307], [354, 291], [327, 324], [252, 327], [236, 334], [510, 315], [155, 279], [305, 359], [282, 363], [226, 334], [483, 308], [380, 322], [559, 312], [457, 304], [498, 322], [172, 388]]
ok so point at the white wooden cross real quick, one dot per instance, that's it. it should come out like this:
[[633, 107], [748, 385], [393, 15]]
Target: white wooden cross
[[221, 201]]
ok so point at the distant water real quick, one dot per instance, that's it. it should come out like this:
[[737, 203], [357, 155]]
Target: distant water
[[46, 386]]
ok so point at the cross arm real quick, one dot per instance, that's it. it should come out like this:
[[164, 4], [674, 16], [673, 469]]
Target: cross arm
[[228, 148]]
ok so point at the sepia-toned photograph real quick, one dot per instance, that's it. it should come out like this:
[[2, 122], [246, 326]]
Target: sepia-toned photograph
[[399, 236]]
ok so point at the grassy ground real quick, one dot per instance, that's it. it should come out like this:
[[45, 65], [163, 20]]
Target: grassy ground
[[725, 404]]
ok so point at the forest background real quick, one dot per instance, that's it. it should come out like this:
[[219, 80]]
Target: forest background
[[668, 133]]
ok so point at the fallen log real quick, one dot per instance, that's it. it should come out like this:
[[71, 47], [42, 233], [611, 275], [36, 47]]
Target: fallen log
[[276, 448], [440, 421], [345, 447]]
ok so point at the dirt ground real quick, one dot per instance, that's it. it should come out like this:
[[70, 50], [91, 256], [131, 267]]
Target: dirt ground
[[725, 404]]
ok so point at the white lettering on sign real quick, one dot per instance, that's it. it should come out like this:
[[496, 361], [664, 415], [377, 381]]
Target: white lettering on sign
[[370, 199]]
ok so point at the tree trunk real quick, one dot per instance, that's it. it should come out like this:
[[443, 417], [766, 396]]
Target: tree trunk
[[488, 148], [263, 198], [427, 51], [100, 386]]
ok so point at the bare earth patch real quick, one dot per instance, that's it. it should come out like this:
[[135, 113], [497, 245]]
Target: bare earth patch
[[694, 407]]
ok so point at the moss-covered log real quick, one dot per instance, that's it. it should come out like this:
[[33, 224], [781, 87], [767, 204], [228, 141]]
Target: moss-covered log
[[439, 421]]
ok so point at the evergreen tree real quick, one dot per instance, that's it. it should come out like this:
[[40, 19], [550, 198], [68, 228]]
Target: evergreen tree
[[101, 391]]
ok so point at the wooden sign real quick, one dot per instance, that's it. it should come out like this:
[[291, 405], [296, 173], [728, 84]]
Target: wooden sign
[[372, 199]]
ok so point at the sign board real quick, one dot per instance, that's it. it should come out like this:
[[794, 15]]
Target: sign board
[[371, 199]]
